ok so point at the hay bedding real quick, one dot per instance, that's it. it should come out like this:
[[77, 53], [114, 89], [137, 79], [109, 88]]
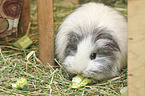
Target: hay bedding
[[47, 80]]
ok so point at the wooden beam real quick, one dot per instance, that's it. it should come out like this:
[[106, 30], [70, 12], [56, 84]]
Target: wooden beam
[[46, 34], [24, 18], [136, 48]]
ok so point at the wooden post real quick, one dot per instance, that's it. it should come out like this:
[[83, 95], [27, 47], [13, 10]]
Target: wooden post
[[136, 48], [46, 34], [24, 18]]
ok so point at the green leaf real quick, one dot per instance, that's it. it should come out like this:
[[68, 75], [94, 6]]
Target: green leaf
[[79, 81], [22, 83]]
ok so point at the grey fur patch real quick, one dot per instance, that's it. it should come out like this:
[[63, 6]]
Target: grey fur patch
[[73, 41], [110, 46], [107, 50], [103, 33]]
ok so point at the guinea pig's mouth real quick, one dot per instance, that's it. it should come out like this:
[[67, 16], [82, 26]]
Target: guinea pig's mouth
[[73, 75]]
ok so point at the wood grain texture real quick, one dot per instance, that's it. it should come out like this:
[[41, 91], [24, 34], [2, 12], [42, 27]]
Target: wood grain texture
[[9, 17], [46, 34], [10, 9], [25, 17], [3, 25], [136, 48]]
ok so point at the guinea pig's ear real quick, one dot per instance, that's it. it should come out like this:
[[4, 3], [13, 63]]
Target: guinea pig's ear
[[73, 40]]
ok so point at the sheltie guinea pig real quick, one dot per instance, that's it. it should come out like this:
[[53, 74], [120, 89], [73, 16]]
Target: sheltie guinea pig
[[92, 42]]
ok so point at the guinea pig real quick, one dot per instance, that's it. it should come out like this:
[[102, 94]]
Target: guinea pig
[[92, 42]]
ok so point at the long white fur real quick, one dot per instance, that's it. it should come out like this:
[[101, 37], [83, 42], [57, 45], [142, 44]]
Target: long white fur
[[84, 20]]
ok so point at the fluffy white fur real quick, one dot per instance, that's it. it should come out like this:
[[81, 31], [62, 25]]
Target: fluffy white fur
[[82, 21]]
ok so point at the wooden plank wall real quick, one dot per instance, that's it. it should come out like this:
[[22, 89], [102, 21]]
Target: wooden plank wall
[[136, 48], [46, 34]]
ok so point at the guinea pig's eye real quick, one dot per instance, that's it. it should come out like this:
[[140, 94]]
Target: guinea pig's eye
[[93, 56]]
